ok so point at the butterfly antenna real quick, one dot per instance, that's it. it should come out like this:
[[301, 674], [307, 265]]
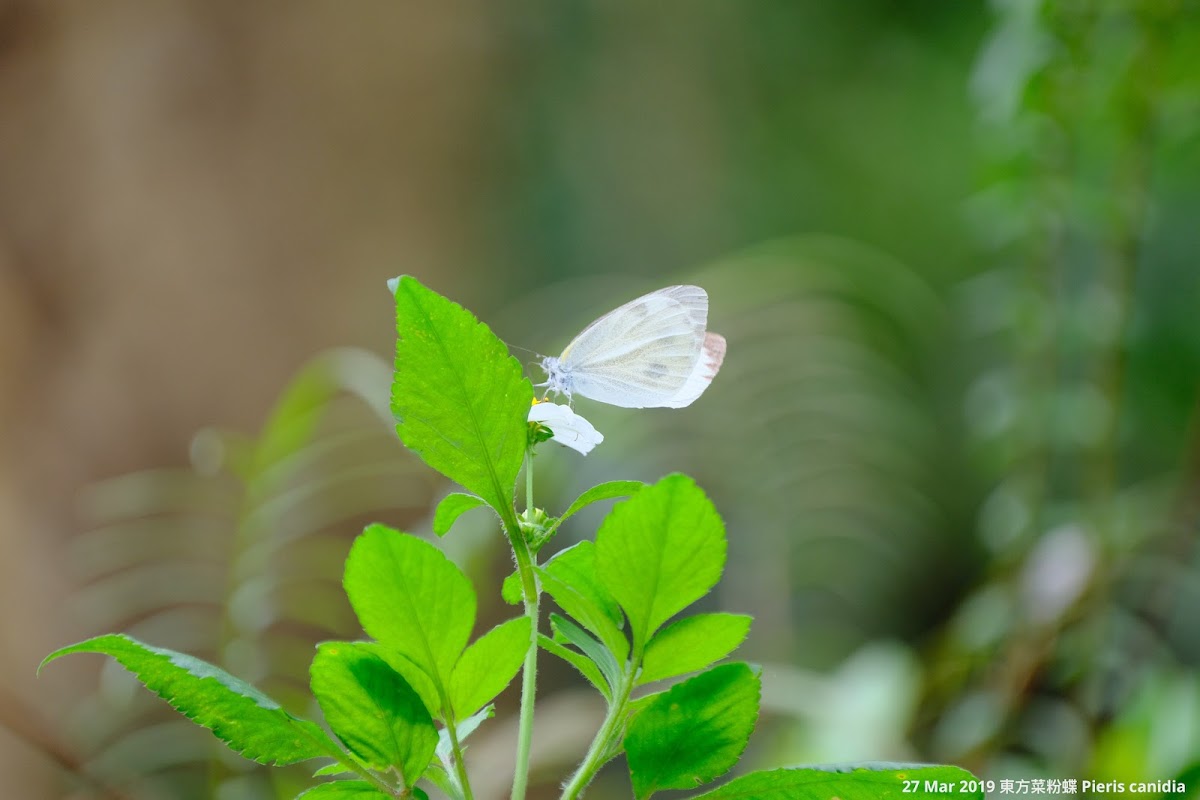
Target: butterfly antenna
[[533, 353], [536, 362]]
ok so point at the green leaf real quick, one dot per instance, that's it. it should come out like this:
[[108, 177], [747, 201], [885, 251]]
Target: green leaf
[[691, 644], [693, 732], [660, 551], [251, 723], [632, 710], [460, 400], [567, 632], [412, 599], [511, 590], [579, 661], [603, 491], [333, 769], [488, 665], [413, 675], [373, 710], [343, 790], [850, 782], [570, 578], [453, 506]]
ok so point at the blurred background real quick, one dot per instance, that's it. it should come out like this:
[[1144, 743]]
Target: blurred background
[[951, 245]]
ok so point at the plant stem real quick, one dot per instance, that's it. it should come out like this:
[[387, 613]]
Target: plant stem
[[460, 765], [370, 777], [526, 562], [528, 479], [598, 754]]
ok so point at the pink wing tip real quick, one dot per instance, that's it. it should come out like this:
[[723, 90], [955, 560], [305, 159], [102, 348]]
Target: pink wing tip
[[714, 352]]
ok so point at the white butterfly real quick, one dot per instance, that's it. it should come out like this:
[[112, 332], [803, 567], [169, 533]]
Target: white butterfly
[[652, 352]]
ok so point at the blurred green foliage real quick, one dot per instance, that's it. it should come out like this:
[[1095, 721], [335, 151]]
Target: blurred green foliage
[[955, 440]]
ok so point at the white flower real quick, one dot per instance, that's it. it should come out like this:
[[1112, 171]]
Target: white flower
[[568, 428], [394, 283]]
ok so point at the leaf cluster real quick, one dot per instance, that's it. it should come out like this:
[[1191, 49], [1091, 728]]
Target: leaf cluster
[[400, 705]]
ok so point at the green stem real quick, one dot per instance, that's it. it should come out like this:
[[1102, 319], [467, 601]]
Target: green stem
[[528, 479], [598, 754], [460, 765], [375, 780], [526, 561]]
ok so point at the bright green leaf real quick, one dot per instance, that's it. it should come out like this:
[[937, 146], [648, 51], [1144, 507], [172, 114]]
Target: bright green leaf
[[412, 599], [333, 769], [851, 782], [579, 661], [570, 578], [660, 551], [343, 790], [460, 400], [488, 665], [603, 491], [511, 589], [691, 644], [373, 710], [567, 632], [453, 506], [693, 732], [251, 723]]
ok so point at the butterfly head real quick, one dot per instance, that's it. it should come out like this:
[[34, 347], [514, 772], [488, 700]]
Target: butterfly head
[[557, 379]]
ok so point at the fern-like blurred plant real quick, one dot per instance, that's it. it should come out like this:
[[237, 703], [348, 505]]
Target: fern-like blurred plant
[[239, 560]]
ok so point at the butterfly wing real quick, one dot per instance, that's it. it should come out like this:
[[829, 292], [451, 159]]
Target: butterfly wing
[[644, 353], [711, 356]]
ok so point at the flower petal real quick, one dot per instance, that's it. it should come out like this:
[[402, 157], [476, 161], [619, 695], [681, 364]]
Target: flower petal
[[569, 428]]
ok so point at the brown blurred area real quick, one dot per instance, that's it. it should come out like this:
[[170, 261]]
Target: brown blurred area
[[195, 197]]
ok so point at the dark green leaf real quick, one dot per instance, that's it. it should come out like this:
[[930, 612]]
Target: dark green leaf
[[251, 723], [413, 675], [412, 599], [343, 790], [453, 506], [570, 578], [660, 551], [460, 400], [579, 661], [692, 643], [850, 782], [631, 711], [488, 665], [567, 632], [603, 491], [373, 710], [693, 732]]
